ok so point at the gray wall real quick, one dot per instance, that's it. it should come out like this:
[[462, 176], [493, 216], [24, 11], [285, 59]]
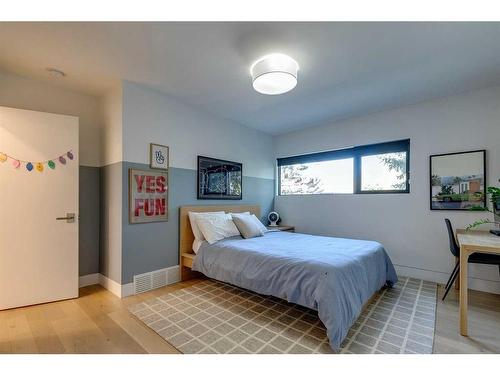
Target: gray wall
[[152, 246], [152, 116], [144, 247], [88, 240]]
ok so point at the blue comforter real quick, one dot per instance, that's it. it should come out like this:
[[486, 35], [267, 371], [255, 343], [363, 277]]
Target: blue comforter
[[335, 276]]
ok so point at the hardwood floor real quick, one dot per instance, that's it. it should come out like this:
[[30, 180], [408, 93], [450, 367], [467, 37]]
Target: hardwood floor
[[98, 322], [484, 324]]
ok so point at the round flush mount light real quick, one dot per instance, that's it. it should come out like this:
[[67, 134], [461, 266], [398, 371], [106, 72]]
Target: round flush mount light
[[56, 73], [274, 74]]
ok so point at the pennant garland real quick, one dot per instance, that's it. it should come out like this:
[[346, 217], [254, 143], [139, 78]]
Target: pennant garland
[[39, 165]]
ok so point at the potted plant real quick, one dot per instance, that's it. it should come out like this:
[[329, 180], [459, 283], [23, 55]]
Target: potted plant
[[494, 194]]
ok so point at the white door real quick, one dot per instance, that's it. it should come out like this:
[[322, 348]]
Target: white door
[[38, 254]]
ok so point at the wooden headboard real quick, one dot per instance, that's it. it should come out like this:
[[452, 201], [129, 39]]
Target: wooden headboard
[[186, 236]]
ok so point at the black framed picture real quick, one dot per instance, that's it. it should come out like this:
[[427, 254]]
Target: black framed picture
[[458, 180], [219, 179]]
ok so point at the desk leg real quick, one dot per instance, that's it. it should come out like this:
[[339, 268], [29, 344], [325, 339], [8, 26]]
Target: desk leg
[[464, 260], [457, 281]]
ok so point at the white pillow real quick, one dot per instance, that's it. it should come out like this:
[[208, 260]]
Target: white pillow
[[216, 227], [197, 244], [262, 227], [239, 213], [194, 226], [248, 225]]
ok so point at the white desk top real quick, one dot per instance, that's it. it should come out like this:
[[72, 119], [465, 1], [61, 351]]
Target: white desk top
[[479, 239]]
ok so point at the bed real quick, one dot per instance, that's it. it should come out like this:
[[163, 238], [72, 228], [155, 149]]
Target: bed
[[335, 276]]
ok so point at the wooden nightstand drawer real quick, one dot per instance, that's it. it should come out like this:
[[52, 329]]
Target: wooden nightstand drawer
[[283, 228]]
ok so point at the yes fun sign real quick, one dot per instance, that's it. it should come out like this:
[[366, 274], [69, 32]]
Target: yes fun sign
[[148, 196]]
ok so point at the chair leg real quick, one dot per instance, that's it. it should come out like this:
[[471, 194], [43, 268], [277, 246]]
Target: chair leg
[[456, 271], [451, 275]]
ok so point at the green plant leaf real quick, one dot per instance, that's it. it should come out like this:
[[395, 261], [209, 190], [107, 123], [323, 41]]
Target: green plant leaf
[[478, 223], [478, 208]]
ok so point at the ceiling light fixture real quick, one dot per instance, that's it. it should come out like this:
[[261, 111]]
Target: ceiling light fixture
[[274, 74], [56, 73]]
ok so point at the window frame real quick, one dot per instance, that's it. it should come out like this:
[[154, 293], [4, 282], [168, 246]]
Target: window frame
[[356, 153]]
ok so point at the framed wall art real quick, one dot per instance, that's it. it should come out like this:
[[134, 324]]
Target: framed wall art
[[148, 196], [458, 180], [158, 156], [219, 179]]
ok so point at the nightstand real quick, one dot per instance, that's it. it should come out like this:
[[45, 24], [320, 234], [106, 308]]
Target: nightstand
[[283, 228]]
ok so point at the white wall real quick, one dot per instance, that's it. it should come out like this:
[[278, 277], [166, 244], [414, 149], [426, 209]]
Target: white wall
[[414, 236], [24, 93], [111, 142], [151, 116], [111, 190]]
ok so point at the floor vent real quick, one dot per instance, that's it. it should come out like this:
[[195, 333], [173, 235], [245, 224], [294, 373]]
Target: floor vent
[[155, 279], [158, 279], [150, 280], [142, 283]]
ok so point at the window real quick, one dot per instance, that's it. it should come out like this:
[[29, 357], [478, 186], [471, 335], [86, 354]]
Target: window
[[383, 172], [379, 168], [324, 177]]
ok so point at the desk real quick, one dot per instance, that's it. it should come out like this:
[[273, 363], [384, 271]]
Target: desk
[[472, 241]]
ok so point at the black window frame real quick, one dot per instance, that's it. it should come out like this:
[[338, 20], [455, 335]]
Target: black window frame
[[356, 153]]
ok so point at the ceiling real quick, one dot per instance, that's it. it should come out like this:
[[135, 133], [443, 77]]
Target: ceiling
[[346, 69]]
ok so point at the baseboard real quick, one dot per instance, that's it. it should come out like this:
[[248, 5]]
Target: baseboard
[[98, 278], [173, 275], [110, 285], [419, 273], [90, 279], [442, 277], [126, 290]]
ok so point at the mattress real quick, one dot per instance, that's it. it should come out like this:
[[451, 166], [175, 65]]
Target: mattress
[[335, 276]]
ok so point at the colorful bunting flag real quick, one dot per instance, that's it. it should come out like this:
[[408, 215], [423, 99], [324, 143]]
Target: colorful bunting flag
[[38, 165]]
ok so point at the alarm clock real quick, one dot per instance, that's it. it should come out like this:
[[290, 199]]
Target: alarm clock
[[273, 218]]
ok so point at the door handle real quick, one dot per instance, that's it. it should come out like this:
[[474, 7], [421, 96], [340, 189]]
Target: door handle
[[70, 218]]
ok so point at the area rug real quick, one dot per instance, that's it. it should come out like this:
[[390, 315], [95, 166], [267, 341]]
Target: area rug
[[213, 317]]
